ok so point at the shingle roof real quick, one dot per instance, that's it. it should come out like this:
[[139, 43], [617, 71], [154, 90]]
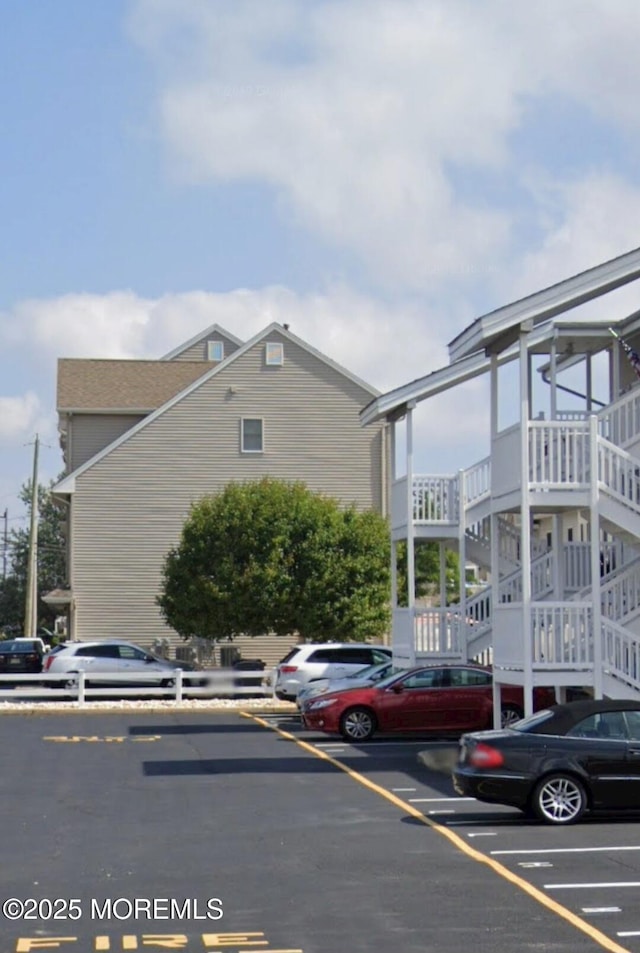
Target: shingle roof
[[127, 385]]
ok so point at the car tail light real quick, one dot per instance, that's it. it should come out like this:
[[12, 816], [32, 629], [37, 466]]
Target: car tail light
[[289, 668], [47, 662], [484, 756]]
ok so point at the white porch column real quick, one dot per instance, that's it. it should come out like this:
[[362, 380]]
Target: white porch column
[[553, 379], [614, 372], [525, 528], [411, 566], [589, 383], [462, 561], [594, 518], [557, 548]]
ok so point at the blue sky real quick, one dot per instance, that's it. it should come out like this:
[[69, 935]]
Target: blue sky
[[374, 174]]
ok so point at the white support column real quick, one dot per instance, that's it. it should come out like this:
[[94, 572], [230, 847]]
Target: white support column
[[392, 451], [614, 373], [589, 383], [553, 380], [595, 559], [557, 547], [493, 529], [525, 528], [411, 566], [495, 422], [462, 561], [443, 573]]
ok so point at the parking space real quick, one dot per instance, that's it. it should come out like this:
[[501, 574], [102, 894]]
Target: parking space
[[314, 846], [589, 871]]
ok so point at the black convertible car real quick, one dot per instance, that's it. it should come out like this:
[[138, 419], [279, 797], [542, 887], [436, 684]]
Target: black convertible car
[[557, 763]]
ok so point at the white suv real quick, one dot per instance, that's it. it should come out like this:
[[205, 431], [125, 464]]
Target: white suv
[[323, 660]]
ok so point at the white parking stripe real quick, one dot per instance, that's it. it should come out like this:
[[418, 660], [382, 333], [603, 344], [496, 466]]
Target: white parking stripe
[[596, 886], [563, 850], [484, 834], [628, 933], [429, 800], [402, 790], [602, 909], [441, 812], [535, 863]]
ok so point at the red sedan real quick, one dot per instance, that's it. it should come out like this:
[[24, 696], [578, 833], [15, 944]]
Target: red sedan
[[435, 698]]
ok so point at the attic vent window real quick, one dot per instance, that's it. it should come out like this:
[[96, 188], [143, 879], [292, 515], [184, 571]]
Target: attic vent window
[[215, 351], [274, 354]]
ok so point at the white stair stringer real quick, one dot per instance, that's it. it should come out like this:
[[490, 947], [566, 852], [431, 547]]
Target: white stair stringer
[[619, 593]]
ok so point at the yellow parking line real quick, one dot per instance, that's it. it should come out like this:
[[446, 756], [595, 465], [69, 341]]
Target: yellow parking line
[[496, 866]]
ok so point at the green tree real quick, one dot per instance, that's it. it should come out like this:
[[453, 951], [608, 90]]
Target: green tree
[[427, 572], [51, 560], [272, 556]]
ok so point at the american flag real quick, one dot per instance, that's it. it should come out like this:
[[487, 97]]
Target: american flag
[[634, 359]]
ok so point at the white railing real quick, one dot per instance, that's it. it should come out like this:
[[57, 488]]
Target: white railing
[[621, 653], [436, 499], [403, 636], [576, 568], [558, 455], [476, 482], [570, 416], [80, 687], [562, 635], [619, 592], [619, 422], [438, 631], [542, 583], [619, 472]]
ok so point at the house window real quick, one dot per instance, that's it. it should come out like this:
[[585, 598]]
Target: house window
[[274, 354], [215, 350], [251, 435]]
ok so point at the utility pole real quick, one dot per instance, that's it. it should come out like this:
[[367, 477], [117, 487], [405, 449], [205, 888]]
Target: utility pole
[[31, 608]]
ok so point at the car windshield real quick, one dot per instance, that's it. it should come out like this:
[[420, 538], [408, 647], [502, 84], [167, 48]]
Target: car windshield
[[531, 722], [368, 670], [14, 646], [393, 677]]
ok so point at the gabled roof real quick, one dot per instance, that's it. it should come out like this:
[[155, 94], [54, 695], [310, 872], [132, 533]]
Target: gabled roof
[[67, 484], [112, 386], [202, 336], [545, 304]]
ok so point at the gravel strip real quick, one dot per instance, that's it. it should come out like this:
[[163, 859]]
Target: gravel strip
[[152, 704]]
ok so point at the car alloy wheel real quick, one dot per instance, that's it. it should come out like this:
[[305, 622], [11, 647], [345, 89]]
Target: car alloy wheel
[[357, 724], [510, 714], [560, 799]]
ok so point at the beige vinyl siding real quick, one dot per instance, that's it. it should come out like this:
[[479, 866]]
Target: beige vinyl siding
[[90, 433], [198, 351], [128, 508]]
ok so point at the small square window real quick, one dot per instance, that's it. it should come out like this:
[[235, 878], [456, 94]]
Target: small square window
[[215, 350], [251, 435], [274, 354]]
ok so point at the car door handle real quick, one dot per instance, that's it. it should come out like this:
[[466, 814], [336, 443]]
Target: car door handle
[[634, 752]]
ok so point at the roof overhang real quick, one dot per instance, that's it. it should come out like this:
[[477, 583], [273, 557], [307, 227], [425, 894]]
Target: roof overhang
[[497, 330], [394, 404]]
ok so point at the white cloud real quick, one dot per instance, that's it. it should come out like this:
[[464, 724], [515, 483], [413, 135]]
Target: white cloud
[[21, 417], [368, 337], [358, 112]]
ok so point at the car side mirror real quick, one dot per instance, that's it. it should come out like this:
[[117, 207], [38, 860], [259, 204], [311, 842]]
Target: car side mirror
[[398, 688], [149, 658]]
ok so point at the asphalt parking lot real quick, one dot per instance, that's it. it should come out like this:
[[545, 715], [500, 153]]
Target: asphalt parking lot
[[213, 831]]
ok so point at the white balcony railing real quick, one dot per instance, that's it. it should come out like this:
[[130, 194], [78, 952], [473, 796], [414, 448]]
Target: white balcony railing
[[621, 653], [558, 455], [619, 422], [476, 482], [436, 499]]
